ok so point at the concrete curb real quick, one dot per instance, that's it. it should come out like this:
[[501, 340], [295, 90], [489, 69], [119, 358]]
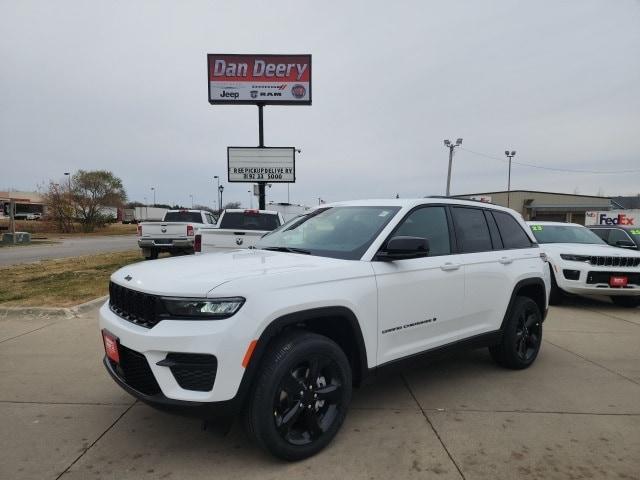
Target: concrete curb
[[66, 312]]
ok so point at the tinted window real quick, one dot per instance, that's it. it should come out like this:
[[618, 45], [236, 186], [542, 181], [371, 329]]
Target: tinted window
[[429, 223], [512, 234], [601, 232], [618, 236], [193, 217], [249, 221], [471, 229]]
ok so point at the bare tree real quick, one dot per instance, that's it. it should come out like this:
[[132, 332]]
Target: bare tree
[[60, 206], [92, 191], [232, 205]]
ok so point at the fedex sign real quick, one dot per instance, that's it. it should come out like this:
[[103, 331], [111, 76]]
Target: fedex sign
[[626, 217]]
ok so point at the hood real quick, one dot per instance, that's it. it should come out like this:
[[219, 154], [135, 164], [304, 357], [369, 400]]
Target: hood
[[588, 249], [196, 275]]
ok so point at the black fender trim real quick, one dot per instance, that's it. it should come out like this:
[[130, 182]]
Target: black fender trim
[[299, 318], [533, 281]]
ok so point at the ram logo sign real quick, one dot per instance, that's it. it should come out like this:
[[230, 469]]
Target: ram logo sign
[[613, 217]]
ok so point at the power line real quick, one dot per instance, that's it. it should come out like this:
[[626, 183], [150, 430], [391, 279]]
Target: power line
[[554, 169]]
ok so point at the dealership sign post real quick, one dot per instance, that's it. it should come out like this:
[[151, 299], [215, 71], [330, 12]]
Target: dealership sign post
[[260, 80]]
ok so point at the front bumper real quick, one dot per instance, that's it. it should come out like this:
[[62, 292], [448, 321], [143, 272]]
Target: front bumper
[[584, 279], [222, 339], [223, 410]]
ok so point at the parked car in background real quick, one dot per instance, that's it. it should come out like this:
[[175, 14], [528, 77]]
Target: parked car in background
[[174, 234], [280, 333], [288, 210], [582, 263], [34, 216], [237, 228], [622, 236]]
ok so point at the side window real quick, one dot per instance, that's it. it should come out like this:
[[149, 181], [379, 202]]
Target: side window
[[429, 223], [493, 229], [471, 229], [512, 234], [616, 236], [601, 232]]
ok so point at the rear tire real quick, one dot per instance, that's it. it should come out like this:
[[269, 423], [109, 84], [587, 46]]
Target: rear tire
[[300, 396], [627, 302], [522, 336], [556, 295]]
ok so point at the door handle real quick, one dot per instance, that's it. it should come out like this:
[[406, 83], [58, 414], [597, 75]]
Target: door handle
[[506, 260], [450, 266]]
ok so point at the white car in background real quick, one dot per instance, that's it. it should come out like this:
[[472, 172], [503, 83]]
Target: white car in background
[[583, 264]]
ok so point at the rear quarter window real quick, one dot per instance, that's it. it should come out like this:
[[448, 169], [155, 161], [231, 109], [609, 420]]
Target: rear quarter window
[[472, 230], [512, 234]]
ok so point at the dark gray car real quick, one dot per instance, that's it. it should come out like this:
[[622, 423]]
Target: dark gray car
[[622, 236]]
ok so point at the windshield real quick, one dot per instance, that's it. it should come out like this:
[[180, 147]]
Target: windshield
[[249, 220], [193, 217], [337, 232], [564, 234]]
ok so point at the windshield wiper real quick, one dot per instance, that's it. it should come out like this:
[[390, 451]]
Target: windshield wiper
[[287, 249]]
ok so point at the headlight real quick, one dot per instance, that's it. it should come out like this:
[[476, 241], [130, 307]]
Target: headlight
[[574, 258], [214, 308]]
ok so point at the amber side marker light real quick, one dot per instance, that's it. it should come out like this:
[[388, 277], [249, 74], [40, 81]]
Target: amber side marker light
[[247, 356]]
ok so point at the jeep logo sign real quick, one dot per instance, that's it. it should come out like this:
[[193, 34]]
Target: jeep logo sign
[[259, 79]]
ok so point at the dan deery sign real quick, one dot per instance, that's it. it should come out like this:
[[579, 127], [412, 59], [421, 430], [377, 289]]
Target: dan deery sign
[[259, 79]]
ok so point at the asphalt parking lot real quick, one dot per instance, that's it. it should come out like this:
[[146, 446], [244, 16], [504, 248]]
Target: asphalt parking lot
[[574, 415]]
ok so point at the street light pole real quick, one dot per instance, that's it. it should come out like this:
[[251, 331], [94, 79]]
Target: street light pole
[[153, 189], [216, 177], [191, 197], [510, 155], [451, 147], [220, 189]]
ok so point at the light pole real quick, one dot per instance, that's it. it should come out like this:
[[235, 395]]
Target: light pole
[[250, 198], [220, 189], [451, 147], [191, 197], [216, 177], [510, 155], [153, 189], [68, 175]]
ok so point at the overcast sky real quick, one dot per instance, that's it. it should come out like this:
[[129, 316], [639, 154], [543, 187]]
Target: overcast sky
[[122, 86]]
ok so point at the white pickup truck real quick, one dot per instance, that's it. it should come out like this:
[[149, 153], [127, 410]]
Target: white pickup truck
[[237, 228], [174, 234]]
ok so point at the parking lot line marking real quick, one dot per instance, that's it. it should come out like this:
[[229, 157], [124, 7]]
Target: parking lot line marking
[[96, 440], [426, 417], [593, 363]]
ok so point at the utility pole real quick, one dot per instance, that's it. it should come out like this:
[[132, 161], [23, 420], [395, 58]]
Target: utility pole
[[261, 189], [510, 155], [451, 147]]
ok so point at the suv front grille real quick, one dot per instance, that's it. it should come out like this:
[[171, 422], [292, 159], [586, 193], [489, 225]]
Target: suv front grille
[[140, 308], [135, 371], [614, 261]]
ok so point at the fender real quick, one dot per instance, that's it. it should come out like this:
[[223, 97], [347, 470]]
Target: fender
[[533, 281], [298, 318]]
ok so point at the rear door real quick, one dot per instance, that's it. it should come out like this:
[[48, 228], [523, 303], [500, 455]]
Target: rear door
[[420, 300], [487, 284]]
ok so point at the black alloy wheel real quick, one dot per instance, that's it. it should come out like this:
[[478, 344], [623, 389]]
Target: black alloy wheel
[[521, 335], [300, 396]]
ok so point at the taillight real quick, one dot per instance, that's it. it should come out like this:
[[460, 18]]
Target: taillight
[[139, 230], [189, 230], [197, 243]]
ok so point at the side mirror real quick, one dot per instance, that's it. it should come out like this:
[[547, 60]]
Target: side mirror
[[402, 248], [625, 244]]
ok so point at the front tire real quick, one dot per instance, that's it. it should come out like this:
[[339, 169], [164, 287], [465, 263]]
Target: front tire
[[522, 336], [300, 397], [627, 302]]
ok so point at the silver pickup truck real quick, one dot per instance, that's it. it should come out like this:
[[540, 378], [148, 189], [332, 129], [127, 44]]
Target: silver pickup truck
[[174, 234]]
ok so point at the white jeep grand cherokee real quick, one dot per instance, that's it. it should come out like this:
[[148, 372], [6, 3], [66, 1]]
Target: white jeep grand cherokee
[[281, 333], [582, 263]]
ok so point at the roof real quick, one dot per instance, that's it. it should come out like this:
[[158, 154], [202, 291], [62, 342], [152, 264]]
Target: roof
[[621, 227], [534, 191], [533, 222], [414, 202]]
